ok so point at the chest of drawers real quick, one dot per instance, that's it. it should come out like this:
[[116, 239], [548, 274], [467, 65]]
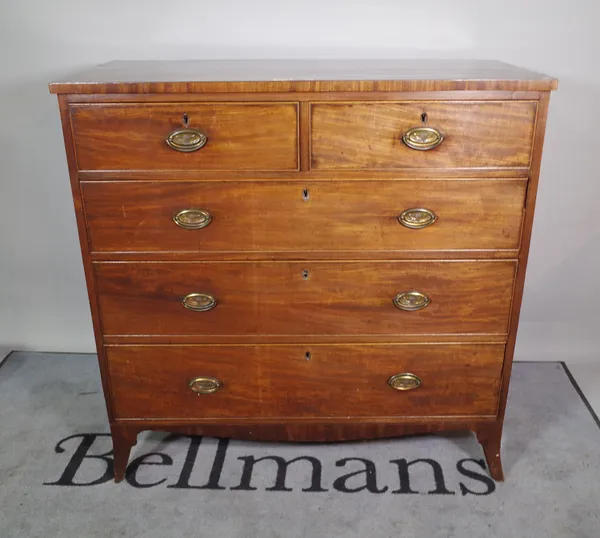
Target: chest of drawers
[[305, 251]]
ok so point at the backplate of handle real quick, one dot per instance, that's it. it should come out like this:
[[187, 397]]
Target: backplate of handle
[[422, 138], [192, 219], [204, 385], [199, 302], [417, 218], [404, 381], [186, 140], [411, 300]]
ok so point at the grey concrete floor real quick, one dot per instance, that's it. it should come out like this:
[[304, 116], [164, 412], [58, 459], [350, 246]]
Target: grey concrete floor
[[587, 375]]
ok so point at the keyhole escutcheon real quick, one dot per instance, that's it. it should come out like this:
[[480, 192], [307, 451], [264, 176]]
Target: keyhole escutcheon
[[186, 120], [424, 117], [305, 274], [305, 195]]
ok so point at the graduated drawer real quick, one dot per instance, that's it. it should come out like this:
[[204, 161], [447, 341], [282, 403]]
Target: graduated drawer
[[362, 135], [239, 136], [252, 216], [282, 381], [300, 298]]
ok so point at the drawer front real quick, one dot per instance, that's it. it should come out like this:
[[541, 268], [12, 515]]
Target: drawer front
[[316, 216], [300, 298], [335, 381], [239, 136], [368, 136]]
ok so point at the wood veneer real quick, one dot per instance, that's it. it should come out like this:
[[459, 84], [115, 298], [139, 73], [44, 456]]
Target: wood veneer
[[372, 75], [290, 381], [323, 216], [368, 135], [241, 136], [334, 129], [278, 297]]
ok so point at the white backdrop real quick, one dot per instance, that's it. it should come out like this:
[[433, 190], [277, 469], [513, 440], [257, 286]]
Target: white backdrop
[[43, 303]]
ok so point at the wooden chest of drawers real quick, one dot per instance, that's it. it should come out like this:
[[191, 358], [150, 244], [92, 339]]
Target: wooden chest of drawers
[[306, 251]]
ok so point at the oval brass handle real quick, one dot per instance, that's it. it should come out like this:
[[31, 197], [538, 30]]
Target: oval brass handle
[[204, 385], [199, 302], [411, 300], [417, 218], [405, 381], [186, 140], [422, 138], [192, 219]]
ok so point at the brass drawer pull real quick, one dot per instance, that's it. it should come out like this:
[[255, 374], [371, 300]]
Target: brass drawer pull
[[422, 138], [417, 218], [411, 300], [404, 381], [199, 302], [204, 385], [192, 219], [186, 140]]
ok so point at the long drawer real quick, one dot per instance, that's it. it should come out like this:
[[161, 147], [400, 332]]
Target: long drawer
[[369, 136], [300, 298], [253, 216], [329, 381], [238, 136]]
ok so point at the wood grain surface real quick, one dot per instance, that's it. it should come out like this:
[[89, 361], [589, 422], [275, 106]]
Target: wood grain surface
[[241, 136], [298, 274], [279, 381], [278, 298], [252, 216], [367, 75], [368, 136]]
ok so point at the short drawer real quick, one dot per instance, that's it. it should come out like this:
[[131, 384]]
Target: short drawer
[[248, 216], [238, 136], [369, 136], [303, 298], [291, 381]]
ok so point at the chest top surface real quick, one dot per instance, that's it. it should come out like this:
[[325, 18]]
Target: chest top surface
[[302, 75]]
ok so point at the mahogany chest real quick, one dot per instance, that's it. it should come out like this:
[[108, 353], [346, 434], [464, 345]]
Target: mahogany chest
[[305, 250]]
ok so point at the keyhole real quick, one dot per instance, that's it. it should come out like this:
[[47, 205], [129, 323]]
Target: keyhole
[[305, 195], [186, 120], [307, 355], [424, 117], [305, 274]]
